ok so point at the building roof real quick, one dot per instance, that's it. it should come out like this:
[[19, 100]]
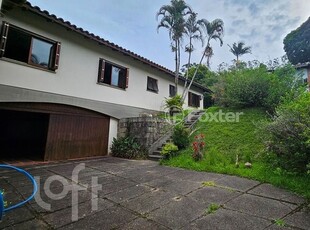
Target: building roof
[[68, 25], [302, 65]]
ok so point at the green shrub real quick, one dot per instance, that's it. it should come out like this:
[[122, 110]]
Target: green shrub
[[169, 150], [255, 87], [180, 136], [127, 147], [288, 135], [174, 104]]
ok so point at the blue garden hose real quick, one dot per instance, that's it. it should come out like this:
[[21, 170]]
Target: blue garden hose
[[35, 189]]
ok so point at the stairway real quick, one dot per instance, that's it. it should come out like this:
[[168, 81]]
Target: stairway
[[189, 122]]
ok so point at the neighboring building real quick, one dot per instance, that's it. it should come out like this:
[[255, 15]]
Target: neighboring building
[[303, 70], [63, 89]]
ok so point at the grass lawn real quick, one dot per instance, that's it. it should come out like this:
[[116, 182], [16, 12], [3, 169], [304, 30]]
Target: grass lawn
[[227, 140]]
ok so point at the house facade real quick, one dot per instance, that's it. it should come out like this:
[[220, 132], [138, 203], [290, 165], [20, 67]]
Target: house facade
[[63, 89], [303, 70]]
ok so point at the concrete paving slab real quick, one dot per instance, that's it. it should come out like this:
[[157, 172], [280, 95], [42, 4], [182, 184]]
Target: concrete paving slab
[[64, 216], [12, 196], [143, 194], [178, 213], [276, 227], [181, 187], [149, 201], [110, 218], [268, 190], [128, 193], [261, 207], [142, 223], [228, 219], [114, 187], [237, 183], [16, 216], [213, 195], [58, 203], [195, 176], [31, 224], [160, 182], [299, 220], [141, 175], [164, 170]]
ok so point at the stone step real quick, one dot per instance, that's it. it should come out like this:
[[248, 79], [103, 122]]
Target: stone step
[[156, 152], [155, 157]]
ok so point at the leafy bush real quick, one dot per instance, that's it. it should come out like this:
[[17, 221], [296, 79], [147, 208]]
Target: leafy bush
[[254, 87], [180, 136], [174, 104], [289, 135], [169, 150], [127, 147]]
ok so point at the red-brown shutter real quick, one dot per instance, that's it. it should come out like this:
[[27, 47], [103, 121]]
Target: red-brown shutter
[[57, 55], [101, 70], [127, 77], [3, 38], [189, 99]]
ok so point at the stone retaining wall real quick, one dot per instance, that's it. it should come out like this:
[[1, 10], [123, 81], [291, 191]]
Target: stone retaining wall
[[146, 130]]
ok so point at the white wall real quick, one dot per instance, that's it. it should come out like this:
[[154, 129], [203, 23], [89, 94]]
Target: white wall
[[78, 69], [303, 73], [112, 132]]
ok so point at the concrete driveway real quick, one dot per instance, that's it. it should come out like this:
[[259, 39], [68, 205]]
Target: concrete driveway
[[144, 195]]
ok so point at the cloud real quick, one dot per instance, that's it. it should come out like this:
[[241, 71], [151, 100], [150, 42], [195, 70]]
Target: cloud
[[261, 24], [254, 9], [252, 35], [239, 22]]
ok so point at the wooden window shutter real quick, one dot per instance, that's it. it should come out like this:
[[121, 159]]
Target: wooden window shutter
[[101, 71], [3, 38], [127, 77], [189, 99], [57, 55], [54, 56]]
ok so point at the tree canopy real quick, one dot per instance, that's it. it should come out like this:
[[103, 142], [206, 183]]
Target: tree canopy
[[239, 49], [297, 44], [173, 18]]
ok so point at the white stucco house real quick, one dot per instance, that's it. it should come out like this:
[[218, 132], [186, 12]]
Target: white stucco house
[[63, 89]]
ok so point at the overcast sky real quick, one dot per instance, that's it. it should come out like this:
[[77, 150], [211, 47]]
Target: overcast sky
[[261, 24]]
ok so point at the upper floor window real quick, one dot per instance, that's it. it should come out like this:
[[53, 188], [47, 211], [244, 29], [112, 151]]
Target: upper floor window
[[24, 46], [112, 74], [193, 100], [172, 92], [152, 85]]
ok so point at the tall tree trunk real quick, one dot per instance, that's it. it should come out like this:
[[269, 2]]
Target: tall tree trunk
[[176, 73], [208, 61], [195, 73], [188, 65]]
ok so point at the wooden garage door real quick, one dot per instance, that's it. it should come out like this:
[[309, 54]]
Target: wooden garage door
[[72, 132], [72, 137]]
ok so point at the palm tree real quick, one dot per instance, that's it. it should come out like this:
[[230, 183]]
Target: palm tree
[[194, 30], [239, 49], [173, 19], [214, 30]]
